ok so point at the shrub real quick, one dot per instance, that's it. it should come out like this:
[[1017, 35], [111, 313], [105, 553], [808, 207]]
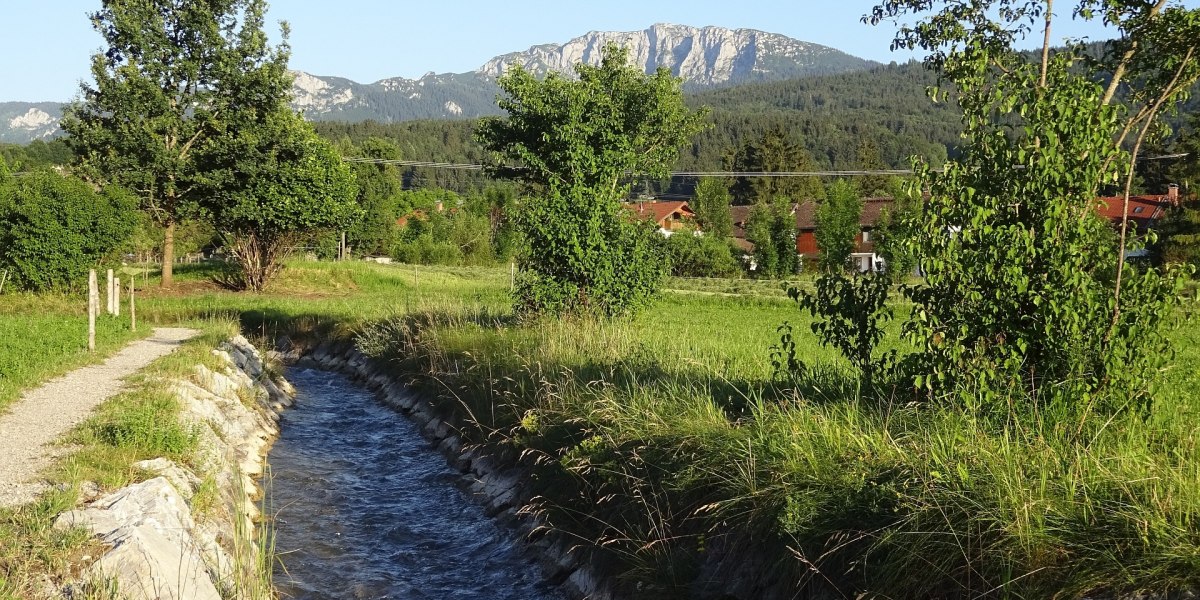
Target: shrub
[[54, 228], [701, 256]]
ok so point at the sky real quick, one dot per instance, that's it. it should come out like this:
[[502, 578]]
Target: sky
[[46, 45]]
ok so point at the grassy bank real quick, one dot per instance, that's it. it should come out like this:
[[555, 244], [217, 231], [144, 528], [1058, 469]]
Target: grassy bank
[[42, 336], [663, 443]]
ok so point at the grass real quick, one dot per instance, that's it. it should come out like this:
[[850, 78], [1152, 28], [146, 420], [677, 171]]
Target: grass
[[46, 335], [662, 440]]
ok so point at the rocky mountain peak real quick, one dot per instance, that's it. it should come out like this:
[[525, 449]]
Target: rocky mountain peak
[[702, 56]]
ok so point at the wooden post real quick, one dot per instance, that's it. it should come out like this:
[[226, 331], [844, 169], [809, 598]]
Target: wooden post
[[117, 296], [342, 250], [93, 308], [132, 306], [109, 293], [414, 276], [3, 278], [512, 276]]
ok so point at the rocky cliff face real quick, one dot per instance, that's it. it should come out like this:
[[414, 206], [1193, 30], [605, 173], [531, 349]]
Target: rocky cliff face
[[23, 122], [702, 56]]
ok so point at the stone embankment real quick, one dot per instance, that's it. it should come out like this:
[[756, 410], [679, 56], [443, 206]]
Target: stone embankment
[[496, 479], [188, 532]]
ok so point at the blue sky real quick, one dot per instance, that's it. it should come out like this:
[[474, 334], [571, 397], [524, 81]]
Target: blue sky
[[44, 51]]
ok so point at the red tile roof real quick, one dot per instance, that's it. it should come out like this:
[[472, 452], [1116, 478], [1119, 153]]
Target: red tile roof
[[660, 211], [1143, 210]]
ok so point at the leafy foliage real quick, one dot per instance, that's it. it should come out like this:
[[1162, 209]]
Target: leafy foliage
[[703, 255], [771, 227], [163, 85], [711, 205], [575, 142], [1026, 300], [275, 180], [54, 228], [837, 223]]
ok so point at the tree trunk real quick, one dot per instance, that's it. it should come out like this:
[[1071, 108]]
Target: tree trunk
[[168, 255]]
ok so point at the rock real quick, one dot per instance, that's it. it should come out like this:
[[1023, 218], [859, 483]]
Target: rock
[[153, 555], [185, 481]]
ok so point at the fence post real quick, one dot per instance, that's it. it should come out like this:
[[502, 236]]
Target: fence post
[[3, 278], [93, 308], [109, 293], [512, 276], [117, 296], [132, 306]]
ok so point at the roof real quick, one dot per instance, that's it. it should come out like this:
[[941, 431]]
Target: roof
[[1142, 211], [806, 213], [659, 211]]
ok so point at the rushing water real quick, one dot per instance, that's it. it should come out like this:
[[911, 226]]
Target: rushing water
[[366, 509]]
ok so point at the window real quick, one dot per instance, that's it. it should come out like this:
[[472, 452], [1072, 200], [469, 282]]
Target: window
[[1138, 210], [866, 236]]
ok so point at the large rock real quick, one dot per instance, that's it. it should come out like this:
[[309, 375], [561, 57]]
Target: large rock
[[153, 555]]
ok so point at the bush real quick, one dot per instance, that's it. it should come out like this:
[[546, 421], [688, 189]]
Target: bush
[[54, 228], [702, 256]]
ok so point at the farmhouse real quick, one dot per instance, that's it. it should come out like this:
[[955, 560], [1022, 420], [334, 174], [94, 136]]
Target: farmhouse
[[670, 216], [864, 257]]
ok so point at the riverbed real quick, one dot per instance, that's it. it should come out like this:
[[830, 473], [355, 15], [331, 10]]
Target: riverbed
[[365, 508]]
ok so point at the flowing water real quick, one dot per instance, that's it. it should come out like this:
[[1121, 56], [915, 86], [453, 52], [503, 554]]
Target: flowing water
[[366, 509]]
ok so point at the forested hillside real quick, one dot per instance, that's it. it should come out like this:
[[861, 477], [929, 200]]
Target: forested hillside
[[829, 116]]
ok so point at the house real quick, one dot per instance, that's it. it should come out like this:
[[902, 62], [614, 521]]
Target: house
[[863, 257], [669, 216], [1142, 212]]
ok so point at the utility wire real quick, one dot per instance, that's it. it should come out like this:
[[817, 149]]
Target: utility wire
[[847, 173]]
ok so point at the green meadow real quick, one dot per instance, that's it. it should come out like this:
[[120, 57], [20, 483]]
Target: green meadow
[[665, 439]]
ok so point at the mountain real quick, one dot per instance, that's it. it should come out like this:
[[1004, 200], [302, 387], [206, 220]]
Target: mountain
[[702, 56], [23, 122], [705, 57]]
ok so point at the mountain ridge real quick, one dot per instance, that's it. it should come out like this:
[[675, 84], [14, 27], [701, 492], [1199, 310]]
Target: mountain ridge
[[704, 57]]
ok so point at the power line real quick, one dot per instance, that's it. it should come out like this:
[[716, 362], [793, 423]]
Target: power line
[[478, 167]]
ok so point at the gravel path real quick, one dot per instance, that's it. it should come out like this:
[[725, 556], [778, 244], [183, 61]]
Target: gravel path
[[42, 415]]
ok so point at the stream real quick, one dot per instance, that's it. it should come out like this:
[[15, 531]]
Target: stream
[[365, 508]]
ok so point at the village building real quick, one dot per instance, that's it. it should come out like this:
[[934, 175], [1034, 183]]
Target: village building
[[670, 216]]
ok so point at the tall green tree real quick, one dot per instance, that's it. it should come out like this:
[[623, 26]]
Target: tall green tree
[[711, 205], [275, 181], [772, 153], [837, 221], [1025, 299], [379, 187], [575, 142], [155, 101], [771, 227]]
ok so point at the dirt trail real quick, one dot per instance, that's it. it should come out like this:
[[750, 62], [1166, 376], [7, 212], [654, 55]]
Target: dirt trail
[[44, 414]]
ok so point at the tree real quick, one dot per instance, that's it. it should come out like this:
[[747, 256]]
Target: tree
[[53, 228], [156, 102], [771, 227], [576, 142], [894, 232], [837, 221], [379, 187], [271, 181], [867, 158], [711, 205], [774, 152], [1023, 297]]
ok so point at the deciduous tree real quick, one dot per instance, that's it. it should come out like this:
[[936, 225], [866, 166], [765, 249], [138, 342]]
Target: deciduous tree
[[273, 180], [1023, 297], [574, 143], [156, 98]]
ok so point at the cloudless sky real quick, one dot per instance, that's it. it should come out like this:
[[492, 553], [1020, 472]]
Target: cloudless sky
[[45, 48]]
